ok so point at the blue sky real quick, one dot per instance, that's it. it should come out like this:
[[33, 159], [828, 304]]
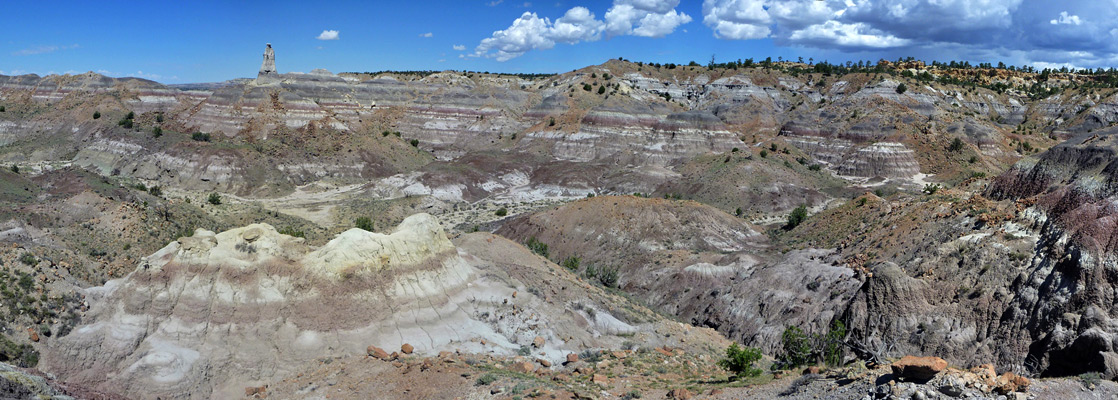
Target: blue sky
[[203, 41]]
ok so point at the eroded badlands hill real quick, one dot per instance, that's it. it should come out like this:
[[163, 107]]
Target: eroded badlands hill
[[211, 314]]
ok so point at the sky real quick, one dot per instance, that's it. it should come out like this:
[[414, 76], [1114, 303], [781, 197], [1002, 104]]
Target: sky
[[210, 41]]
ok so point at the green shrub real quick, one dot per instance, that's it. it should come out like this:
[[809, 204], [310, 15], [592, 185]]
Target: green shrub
[[485, 379], [159, 118], [214, 199], [764, 153], [740, 361], [126, 123], [414, 143], [601, 89], [537, 247], [364, 223], [587, 87], [25, 282], [551, 121], [385, 133], [815, 167], [632, 394], [502, 212], [608, 276], [801, 349], [29, 259], [289, 231], [155, 191], [130, 116], [572, 263], [96, 114], [832, 344], [956, 145], [931, 188], [200, 137], [156, 132], [1090, 379], [140, 186], [796, 346], [14, 168], [902, 88], [23, 355], [3, 109], [797, 217]]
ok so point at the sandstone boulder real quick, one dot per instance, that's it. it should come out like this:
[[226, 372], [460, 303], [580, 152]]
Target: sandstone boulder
[[572, 358], [407, 348], [256, 391], [918, 368], [600, 379], [377, 352], [679, 394], [523, 367], [1010, 382]]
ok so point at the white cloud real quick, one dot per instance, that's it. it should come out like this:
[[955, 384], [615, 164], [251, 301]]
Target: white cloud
[[837, 34], [459, 47], [494, 3], [856, 25], [42, 50], [529, 32], [328, 35], [737, 19], [1066, 19], [577, 24], [649, 18], [428, 34]]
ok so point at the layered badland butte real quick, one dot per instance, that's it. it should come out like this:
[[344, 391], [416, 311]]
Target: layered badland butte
[[940, 218]]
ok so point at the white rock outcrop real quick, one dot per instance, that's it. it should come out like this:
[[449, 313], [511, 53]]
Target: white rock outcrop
[[212, 313]]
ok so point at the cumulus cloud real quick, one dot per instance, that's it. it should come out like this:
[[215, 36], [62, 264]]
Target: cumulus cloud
[[647, 18], [1024, 31], [1066, 19], [855, 25], [328, 35], [428, 34], [850, 36], [578, 24], [737, 19], [528, 32], [459, 47]]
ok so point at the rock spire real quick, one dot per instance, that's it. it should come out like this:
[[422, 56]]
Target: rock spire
[[268, 72]]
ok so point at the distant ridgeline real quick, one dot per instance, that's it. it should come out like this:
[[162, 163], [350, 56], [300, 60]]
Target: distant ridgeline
[[1024, 79]]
